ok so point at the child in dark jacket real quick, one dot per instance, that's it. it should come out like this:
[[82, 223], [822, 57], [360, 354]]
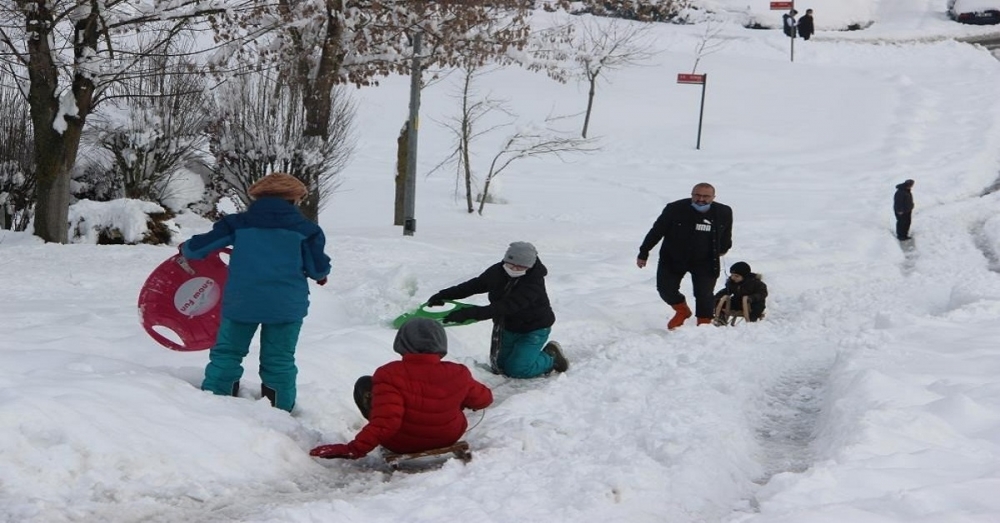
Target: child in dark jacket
[[520, 310], [742, 283], [275, 250], [414, 404]]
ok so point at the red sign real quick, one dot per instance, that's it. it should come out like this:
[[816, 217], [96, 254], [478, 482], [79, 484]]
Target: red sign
[[690, 78], [776, 6]]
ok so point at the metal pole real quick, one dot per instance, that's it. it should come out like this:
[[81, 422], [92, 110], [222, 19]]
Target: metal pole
[[792, 31], [409, 202], [701, 112], [793, 43]]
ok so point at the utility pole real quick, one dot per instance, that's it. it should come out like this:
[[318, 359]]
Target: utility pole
[[409, 202]]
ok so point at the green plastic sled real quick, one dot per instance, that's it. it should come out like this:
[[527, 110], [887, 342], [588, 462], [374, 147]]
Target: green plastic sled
[[435, 313]]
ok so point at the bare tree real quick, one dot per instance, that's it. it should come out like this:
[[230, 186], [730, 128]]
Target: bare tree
[[710, 43], [608, 45], [66, 53], [466, 128], [258, 129], [532, 143], [317, 44]]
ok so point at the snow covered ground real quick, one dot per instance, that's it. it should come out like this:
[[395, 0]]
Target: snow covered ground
[[869, 394]]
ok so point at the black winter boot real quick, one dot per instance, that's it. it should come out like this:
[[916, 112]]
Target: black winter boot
[[559, 361], [268, 393]]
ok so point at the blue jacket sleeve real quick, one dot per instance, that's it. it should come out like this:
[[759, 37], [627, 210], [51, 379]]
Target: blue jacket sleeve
[[201, 245], [317, 263]]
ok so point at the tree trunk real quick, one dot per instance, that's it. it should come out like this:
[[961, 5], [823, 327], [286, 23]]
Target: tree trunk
[[590, 104], [468, 175], [310, 205], [402, 150], [486, 192], [55, 150], [317, 96], [466, 140], [317, 99]]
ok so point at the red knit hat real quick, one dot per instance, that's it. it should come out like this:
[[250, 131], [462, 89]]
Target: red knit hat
[[280, 185]]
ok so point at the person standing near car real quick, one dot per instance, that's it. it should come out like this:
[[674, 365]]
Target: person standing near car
[[696, 232], [902, 204], [805, 25]]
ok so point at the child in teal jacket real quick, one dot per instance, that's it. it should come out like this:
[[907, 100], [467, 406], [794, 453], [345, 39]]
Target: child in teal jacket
[[275, 250]]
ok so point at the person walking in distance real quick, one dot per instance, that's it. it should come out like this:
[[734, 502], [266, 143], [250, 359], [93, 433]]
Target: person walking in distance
[[788, 23], [805, 25], [902, 204], [696, 232]]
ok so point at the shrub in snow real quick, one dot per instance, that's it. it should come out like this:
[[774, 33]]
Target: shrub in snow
[[17, 172], [120, 222], [141, 140], [641, 10], [258, 129]]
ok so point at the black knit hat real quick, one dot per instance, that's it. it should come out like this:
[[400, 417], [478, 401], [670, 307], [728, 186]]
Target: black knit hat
[[741, 268], [421, 336]]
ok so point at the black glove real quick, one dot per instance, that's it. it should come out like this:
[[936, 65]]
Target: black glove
[[435, 300], [463, 315]]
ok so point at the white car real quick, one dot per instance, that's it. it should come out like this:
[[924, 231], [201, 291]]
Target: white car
[[980, 12]]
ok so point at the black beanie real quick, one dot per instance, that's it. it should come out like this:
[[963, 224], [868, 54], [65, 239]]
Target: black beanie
[[741, 268], [421, 336]]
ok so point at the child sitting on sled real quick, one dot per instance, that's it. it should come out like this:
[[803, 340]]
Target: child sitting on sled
[[742, 283], [415, 404]]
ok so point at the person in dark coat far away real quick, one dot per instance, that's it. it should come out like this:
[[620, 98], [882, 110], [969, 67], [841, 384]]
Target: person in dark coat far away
[[805, 25], [696, 231], [902, 204], [414, 404], [788, 23], [520, 310]]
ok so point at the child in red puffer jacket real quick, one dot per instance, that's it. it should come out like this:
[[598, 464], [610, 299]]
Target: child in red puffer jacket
[[414, 404]]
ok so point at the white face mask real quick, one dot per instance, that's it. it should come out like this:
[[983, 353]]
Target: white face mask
[[513, 273]]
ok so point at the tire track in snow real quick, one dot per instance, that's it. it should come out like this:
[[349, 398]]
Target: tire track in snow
[[985, 245], [790, 412]]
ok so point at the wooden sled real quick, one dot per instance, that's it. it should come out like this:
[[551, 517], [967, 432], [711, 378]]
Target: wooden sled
[[459, 450], [726, 316]]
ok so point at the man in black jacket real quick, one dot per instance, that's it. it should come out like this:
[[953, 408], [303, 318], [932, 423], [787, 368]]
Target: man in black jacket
[[695, 231], [902, 204], [806, 28]]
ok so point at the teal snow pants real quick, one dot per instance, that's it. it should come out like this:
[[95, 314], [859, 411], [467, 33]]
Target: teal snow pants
[[521, 354], [277, 359]]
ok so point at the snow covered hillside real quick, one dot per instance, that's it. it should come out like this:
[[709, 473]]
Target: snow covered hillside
[[869, 394]]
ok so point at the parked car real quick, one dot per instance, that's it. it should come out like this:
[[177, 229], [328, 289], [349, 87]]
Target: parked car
[[980, 12]]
